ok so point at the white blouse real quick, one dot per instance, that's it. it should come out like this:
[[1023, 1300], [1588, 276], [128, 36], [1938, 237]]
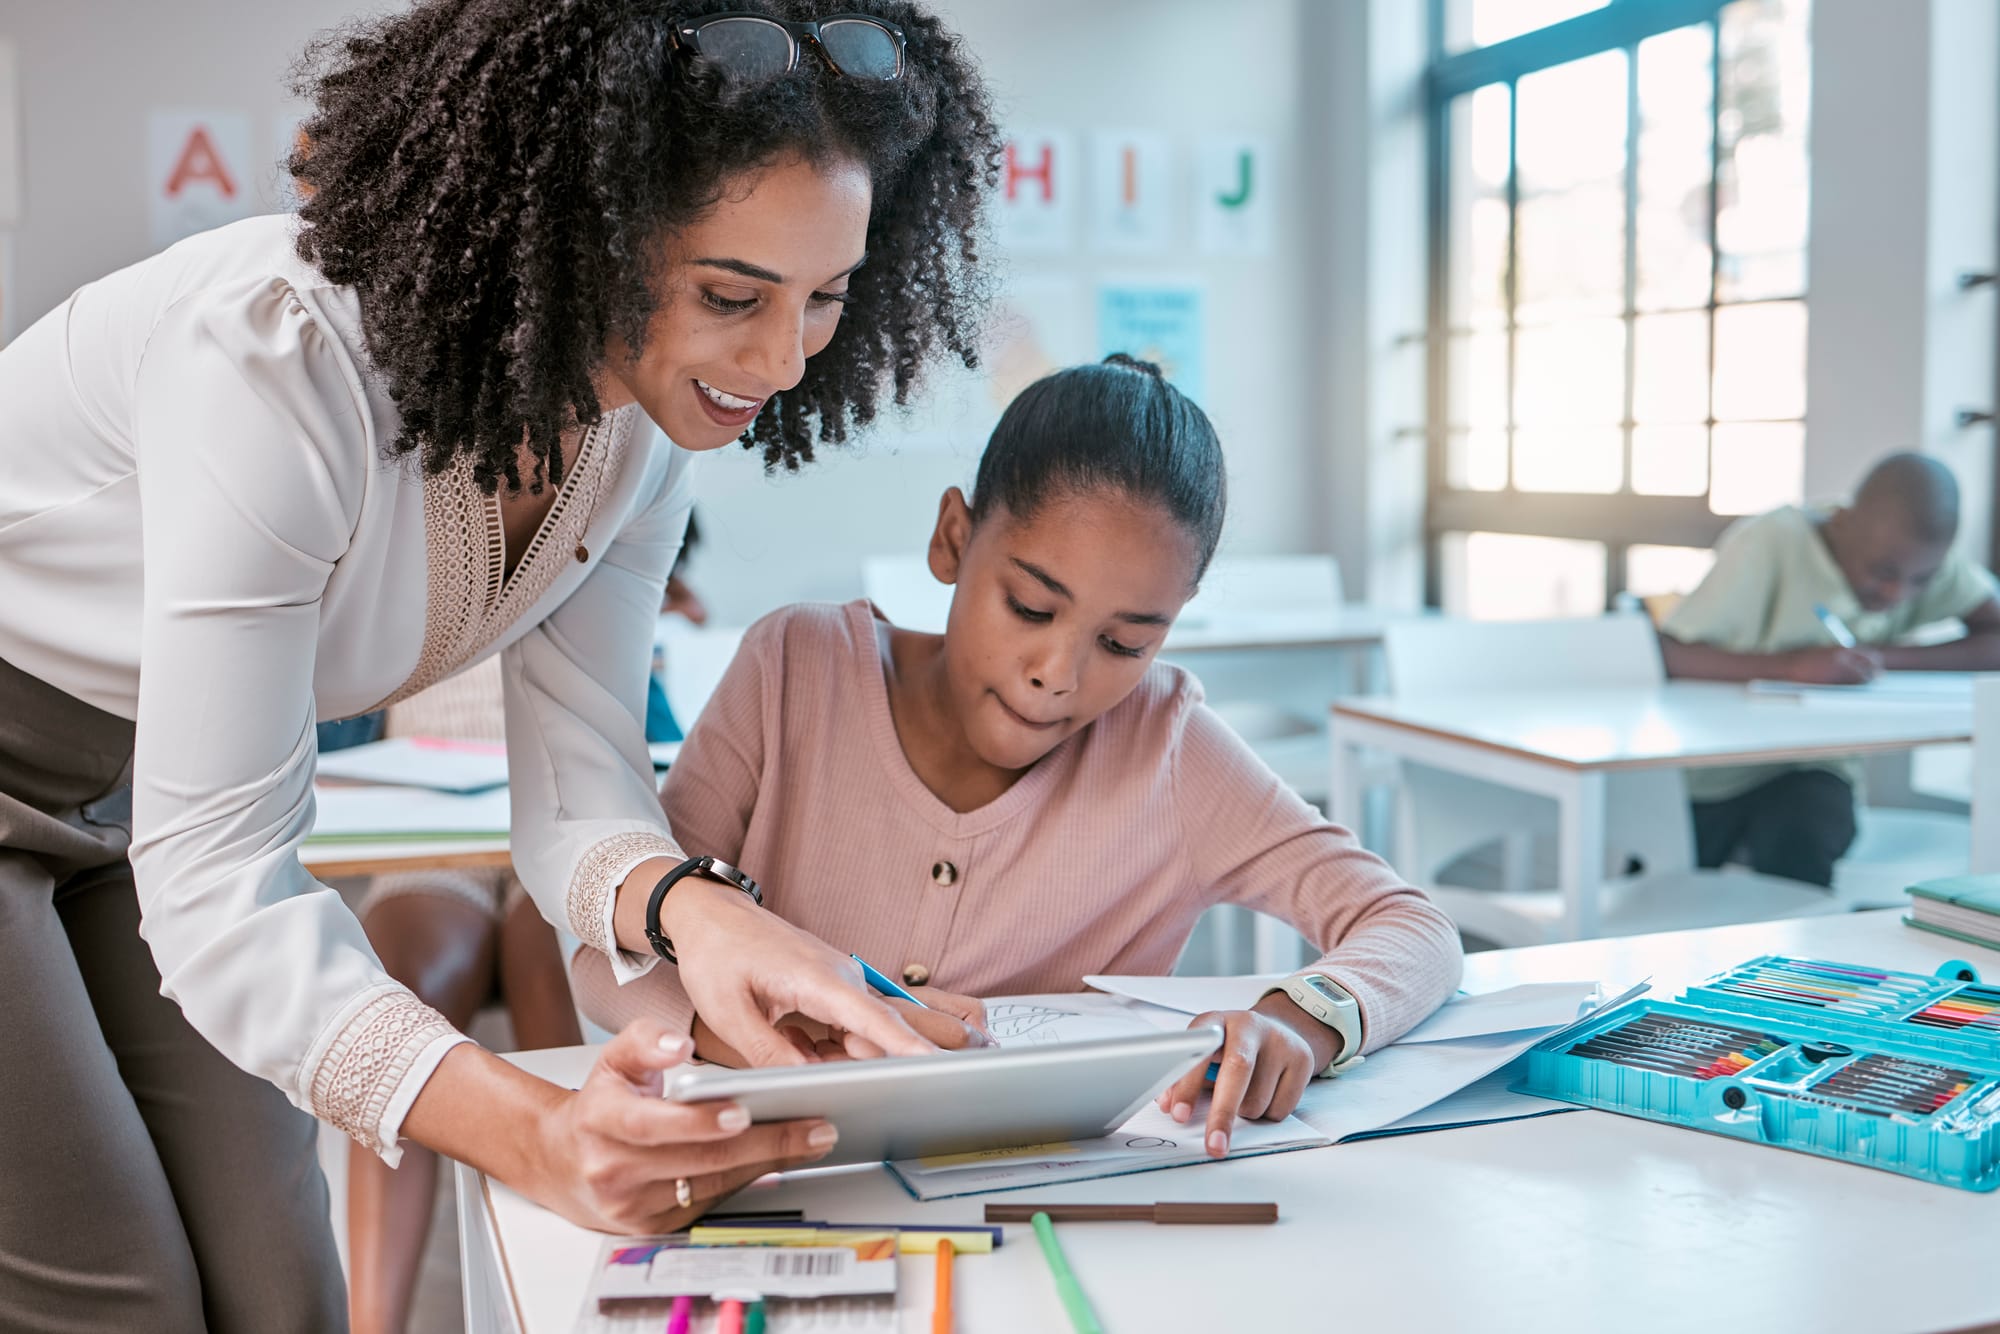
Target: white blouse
[[194, 480]]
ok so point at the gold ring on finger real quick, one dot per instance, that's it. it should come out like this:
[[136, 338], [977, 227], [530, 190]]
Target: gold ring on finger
[[683, 1192]]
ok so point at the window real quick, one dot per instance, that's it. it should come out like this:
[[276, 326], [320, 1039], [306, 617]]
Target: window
[[1618, 317]]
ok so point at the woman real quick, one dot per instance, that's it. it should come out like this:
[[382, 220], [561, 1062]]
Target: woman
[[289, 470]]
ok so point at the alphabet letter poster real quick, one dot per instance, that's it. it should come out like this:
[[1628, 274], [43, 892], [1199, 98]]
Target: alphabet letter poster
[[198, 168], [1038, 174]]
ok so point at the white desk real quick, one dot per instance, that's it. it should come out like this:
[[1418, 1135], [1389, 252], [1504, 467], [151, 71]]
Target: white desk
[[1584, 1222], [1561, 744]]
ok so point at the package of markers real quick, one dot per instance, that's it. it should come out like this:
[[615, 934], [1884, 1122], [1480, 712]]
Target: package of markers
[[1899, 1071]]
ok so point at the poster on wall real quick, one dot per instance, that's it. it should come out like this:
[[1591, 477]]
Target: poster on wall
[[197, 172], [1232, 195], [10, 136], [1131, 190], [1160, 322], [1040, 323], [1037, 200]]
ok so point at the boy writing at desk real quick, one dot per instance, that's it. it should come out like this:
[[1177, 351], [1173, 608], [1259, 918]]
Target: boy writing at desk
[[1787, 587]]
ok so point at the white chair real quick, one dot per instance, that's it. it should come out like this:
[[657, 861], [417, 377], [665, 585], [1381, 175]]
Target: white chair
[[906, 591], [1275, 700], [1442, 816]]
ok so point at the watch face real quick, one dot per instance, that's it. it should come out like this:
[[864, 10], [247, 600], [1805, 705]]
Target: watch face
[[1326, 991]]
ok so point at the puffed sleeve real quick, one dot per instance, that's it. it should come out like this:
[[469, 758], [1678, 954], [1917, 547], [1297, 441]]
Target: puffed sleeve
[[253, 449], [585, 808]]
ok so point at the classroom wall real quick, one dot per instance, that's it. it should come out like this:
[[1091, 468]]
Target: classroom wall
[[1159, 65], [1905, 178], [1312, 376]]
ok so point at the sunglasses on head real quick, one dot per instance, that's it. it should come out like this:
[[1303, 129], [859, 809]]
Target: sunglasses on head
[[754, 46]]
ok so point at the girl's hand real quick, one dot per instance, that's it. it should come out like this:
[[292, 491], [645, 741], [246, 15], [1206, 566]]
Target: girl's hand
[[612, 1155], [745, 968], [952, 1021], [1265, 1064]]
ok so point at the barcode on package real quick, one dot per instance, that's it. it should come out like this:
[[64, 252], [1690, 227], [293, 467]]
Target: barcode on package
[[806, 1264]]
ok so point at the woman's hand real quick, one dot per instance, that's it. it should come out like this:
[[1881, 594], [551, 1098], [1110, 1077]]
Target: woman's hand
[[945, 1018], [745, 969], [953, 1022], [612, 1154], [1266, 1059]]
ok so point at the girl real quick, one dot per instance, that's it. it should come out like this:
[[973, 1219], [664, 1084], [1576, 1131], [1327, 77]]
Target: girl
[[1029, 798], [297, 468]]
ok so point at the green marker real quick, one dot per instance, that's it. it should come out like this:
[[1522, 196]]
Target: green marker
[[1081, 1317]]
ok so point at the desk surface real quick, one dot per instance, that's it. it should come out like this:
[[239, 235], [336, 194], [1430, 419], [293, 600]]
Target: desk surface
[[1582, 1222], [331, 861], [1684, 724]]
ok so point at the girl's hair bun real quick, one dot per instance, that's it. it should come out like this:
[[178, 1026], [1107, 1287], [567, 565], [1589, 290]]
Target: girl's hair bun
[[1134, 363]]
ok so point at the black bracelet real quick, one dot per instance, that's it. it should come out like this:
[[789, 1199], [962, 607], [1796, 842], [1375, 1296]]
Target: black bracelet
[[704, 866]]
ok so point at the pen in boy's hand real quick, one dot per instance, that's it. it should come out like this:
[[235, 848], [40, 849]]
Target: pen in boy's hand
[[1834, 626]]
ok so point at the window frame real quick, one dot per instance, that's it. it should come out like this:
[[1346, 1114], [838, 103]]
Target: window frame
[[1618, 520]]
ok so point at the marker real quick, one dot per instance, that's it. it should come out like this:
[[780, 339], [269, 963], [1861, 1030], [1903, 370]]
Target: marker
[[941, 1295], [1834, 626], [1081, 1318], [683, 1315], [884, 985]]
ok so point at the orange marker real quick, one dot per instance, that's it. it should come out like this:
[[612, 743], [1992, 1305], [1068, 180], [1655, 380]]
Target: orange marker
[[941, 1299]]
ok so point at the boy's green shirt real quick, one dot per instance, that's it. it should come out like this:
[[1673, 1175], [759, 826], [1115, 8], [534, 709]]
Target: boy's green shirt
[[1770, 571]]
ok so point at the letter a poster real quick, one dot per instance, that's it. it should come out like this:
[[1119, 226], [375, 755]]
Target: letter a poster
[[197, 172]]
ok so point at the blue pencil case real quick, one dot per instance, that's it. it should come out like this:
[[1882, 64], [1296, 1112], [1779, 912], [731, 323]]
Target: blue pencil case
[[1899, 1071]]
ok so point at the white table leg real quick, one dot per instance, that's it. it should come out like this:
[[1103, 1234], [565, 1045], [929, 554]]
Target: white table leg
[[1580, 852], [1986, 776], [1346, 790], [488, 1308]]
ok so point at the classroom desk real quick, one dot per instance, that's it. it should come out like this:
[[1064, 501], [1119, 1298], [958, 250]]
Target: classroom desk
[[1578, 1223], [1562, 743], [329, 861]]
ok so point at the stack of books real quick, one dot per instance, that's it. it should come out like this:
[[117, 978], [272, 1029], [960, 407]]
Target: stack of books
[[1964, 907]]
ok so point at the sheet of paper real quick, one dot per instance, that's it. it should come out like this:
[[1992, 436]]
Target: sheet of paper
[[375, 813], [1149, 1141], [1939, 689], [1073, 1017], [1484, 1100], [1189, 995], [1404, 1079], [1533, 1005], [426, 762]]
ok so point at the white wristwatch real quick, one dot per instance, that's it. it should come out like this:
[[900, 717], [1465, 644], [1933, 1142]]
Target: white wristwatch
[[1329, 1002]]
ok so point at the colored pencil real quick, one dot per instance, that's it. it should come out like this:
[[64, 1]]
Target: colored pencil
[[1164, 1212]]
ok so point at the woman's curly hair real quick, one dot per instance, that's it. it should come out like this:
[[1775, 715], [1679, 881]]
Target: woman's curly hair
[[495, 179]]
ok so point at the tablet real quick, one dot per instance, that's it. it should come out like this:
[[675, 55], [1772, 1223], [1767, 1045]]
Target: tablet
[[961, 1101]]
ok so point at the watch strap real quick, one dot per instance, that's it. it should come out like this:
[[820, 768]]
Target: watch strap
[[709, 868], [1300, 992]]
